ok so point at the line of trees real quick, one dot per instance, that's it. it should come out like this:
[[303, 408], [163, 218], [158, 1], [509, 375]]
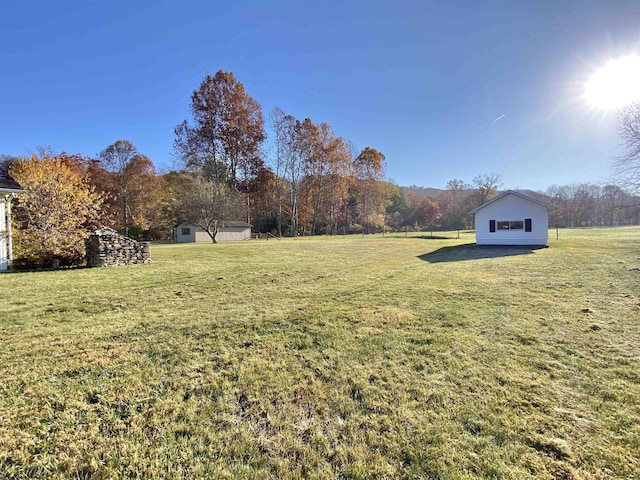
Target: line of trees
[[591, 205], [314, 183], [310, 182]]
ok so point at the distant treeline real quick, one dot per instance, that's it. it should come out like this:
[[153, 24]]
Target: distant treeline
[[136, 200]]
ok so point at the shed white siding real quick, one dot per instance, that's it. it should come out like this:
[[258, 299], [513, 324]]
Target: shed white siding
[[202, 236], [186, 233], [233, 234], [512, 208]]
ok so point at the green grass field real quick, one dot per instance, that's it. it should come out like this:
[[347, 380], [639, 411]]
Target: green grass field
[[358, 357]]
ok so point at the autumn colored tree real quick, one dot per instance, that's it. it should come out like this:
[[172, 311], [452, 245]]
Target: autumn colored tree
[[426, 215], [223, 140], [58, 211], [263, 200], [329, 167], [104, 182], [145, 192], [315, 164], [303, 146], [398, 207], [370, 191], [336, 199], [134, 186], [325, 161], [455, 206], [294, 148], [170, 208]]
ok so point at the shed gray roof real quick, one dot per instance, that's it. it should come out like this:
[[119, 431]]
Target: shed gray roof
[[546, 205], [8, 184], [227, 223], [234, 223]]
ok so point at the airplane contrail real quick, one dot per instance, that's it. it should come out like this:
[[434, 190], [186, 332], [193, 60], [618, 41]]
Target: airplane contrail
[[500, 117]]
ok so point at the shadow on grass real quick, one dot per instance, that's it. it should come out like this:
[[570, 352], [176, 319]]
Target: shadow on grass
[[434, 237], [68, 268], [471, 251]]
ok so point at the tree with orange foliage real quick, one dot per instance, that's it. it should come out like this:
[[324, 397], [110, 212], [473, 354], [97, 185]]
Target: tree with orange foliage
[[426, 215], [58, 211], [370, 191], [223, 140], [134, 186]]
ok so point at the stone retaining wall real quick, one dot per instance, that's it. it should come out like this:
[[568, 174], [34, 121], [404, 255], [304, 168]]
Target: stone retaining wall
[[107, 248]]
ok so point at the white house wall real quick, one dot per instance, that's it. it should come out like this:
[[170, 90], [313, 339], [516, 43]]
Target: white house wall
[[512, 208], [3, 234]]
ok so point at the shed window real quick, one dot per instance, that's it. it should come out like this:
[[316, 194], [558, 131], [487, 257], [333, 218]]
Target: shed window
[[186, 231], [511, 225], [527, 224], [517, 225], [492, 226]]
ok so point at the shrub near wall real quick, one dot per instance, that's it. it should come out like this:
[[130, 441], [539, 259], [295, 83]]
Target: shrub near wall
[[106, 248]]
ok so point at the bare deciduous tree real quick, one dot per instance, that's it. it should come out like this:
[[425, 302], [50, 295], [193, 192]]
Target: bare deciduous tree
[[115, 158], [208, 204], [486, 185], [628, 165], [279, 124]]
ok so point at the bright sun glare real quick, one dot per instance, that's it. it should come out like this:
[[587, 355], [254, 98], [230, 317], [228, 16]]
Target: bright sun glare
[[615, 85]]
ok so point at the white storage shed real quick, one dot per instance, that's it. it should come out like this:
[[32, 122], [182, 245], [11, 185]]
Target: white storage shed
[[512, 218]]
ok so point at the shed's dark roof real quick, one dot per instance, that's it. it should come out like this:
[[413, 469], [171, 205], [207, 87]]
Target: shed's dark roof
[[234, 223], [8, 183]]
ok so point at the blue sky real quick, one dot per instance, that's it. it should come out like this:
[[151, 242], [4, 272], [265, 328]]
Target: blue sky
[[421, 81]]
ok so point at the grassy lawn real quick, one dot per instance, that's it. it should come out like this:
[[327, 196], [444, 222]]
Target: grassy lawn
[[358, 357]]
